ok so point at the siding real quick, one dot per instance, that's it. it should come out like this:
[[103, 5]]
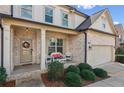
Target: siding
[[5, 9], [38, 15], [98, 24]]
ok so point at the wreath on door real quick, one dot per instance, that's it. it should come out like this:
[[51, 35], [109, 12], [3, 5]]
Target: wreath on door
[[26, 44]]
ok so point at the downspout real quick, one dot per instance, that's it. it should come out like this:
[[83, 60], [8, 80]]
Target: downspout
[[11, 10], [2, 45], [85, 56]]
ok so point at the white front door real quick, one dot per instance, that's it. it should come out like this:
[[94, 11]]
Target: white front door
[[26, 51]]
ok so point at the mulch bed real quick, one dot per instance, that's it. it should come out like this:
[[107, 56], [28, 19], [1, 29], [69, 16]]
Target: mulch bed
[[10, 83], [61, 83], [51, 83]]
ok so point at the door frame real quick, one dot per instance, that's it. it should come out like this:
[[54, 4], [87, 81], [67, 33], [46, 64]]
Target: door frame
[[24, 63]]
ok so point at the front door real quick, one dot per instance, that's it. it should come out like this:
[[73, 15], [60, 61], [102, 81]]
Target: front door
[[26, 51]]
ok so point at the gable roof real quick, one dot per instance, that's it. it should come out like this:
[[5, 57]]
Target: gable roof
[[89, 21], [72, 8]]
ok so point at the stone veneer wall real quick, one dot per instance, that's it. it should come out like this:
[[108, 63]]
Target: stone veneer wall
[[77, 47], [73, 44], [57, 35]]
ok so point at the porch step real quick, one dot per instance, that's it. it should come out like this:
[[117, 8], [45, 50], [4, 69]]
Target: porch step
[[24, 77]]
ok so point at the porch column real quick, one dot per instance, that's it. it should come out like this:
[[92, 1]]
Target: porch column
[[43, 48], [6, 50]]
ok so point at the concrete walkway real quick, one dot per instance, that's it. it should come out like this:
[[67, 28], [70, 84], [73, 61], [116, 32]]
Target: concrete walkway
[[116, 71]]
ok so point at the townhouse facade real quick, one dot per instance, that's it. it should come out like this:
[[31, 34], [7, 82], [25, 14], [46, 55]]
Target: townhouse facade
[[30, 33]]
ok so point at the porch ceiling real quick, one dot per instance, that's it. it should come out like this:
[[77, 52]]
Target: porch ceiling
[[38, 25]]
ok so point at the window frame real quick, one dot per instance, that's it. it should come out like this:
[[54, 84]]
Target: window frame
[[31, 10], [103, 22], [56, 45], [52, 8], [63, 19]]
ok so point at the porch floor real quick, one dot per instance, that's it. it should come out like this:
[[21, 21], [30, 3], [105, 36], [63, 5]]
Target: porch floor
[[25, 68]]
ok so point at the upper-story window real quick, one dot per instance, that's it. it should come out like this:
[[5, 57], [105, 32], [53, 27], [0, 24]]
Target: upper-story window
[[103, 25], [64, 19], [103, 22], [26, 11], [48, 15]]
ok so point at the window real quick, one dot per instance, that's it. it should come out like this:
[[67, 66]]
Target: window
[[55, 45], [64, 19], [48, 15], [103, 22], [26, 11], [103, 25]]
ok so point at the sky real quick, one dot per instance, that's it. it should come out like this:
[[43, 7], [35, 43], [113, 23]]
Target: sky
[[116, 11]]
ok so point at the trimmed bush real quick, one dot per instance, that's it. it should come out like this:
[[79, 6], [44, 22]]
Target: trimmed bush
[[88, 75], [73, 68], [100, 72], [3, 75], [119, 51], [119, 58], [72, 79], [83, 66], [55, 71]]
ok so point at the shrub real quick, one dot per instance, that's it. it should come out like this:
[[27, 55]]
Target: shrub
[[88, 75], [3, 75], [100, 72], [119, 51], [73, 68], [83, 66], [72, 79], [119, 58], [55, 71]]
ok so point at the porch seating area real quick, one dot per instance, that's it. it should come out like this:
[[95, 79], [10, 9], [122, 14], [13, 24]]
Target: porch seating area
[[57, 56]]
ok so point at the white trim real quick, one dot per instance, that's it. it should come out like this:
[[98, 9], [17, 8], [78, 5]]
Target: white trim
[[43, 49]]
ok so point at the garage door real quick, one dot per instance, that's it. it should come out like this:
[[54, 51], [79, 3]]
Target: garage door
[[100, 55]]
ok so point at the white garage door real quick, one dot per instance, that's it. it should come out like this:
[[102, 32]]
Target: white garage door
[[100, 55]]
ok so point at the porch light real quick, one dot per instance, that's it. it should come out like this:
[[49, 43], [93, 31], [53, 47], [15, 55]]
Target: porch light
[[27, 29], [90, 46]]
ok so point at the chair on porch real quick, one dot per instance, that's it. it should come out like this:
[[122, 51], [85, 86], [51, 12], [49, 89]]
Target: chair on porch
[[57, 56]]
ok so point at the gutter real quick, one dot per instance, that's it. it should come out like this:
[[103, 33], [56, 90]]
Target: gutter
[[2, 45]]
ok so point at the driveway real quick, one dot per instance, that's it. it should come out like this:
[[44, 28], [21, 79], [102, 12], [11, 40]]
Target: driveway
[[116, 71]]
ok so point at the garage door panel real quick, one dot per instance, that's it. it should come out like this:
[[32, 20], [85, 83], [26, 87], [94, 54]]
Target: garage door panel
[[100, 54]]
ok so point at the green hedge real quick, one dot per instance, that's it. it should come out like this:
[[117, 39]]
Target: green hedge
[[72, 79], [83, 66], [73, 68], [3, 75], [55, 71], [88, 75], [119, 58], [100, 72], [119, 51]]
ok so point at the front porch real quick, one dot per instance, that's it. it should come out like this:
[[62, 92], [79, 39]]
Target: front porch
[[35, 67], [29, 43]]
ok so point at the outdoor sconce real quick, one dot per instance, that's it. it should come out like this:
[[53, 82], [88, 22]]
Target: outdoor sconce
[[89, 45]]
